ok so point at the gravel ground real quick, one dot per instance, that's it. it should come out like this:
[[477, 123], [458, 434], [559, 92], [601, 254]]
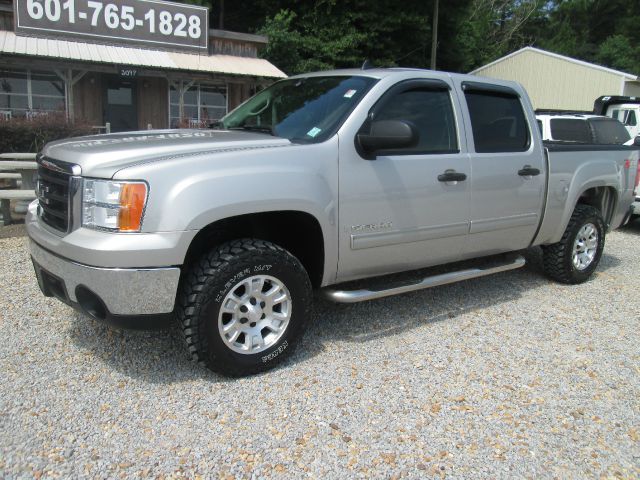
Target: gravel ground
[[502, 377]]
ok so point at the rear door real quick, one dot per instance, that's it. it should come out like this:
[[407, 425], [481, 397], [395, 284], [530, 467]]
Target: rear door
[[508, 171]]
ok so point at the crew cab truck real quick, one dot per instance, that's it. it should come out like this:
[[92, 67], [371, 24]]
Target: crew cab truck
[[319, 179]]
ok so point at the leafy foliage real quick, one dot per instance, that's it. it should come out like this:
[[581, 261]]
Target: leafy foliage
[[30, 135], [307, 36], [618, 52], [332, 34], [600, 31]]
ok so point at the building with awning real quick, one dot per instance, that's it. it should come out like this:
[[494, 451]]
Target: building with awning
[[127, 85]]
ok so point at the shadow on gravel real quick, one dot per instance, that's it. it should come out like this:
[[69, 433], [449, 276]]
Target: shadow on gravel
[[152, 356], [632, 228], [159, 356], [16, 229], [394, 315]]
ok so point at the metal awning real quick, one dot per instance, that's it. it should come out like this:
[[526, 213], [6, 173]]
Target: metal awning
[[13, 44]]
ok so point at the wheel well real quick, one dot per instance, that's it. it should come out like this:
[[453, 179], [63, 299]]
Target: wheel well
[[298, 232], [602, 199]]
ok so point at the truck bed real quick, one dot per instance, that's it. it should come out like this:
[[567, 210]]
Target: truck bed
[[610, 170]]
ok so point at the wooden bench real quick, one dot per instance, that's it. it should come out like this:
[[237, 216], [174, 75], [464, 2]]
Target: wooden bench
[[17, 194], [17, 156], [10, 176], [17, 166], [27, 170], [10, 179], [5, 202]]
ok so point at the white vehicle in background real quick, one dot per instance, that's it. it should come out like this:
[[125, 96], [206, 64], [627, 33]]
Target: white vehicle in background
[[581, 127], [624, 109]]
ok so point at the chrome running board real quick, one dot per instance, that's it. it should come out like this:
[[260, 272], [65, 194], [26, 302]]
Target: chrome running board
[[354, 296]]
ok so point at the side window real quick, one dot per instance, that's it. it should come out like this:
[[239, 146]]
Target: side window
[[541, 128], [631, 119], [498, 122], [430, 111], [570, 130]]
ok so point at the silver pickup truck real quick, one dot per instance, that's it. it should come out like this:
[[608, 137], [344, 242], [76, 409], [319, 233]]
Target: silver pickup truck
[[318, 180]]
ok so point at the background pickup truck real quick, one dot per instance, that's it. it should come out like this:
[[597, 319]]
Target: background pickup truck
[[318, 180]]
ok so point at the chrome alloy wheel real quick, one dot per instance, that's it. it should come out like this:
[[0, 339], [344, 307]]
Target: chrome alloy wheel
[[585, 246], [254, 314]]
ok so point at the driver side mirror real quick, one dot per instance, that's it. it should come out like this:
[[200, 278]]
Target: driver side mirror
[[387, 135]]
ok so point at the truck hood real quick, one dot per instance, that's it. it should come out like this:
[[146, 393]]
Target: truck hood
[[103, 155]]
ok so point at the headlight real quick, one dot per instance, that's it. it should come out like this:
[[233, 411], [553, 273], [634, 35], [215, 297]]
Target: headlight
[[117, 206]]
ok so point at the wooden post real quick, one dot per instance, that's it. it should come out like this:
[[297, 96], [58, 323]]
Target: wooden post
[[434, 36], [181, 87], [69, 82]]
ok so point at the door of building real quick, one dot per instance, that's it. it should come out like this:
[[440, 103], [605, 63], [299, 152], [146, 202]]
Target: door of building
[[120, 105]]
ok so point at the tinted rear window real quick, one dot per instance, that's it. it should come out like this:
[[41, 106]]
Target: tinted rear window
[[609, 131], [571, 130], [498, 122]]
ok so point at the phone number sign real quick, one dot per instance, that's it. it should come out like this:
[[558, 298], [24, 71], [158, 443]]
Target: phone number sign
[[150, 22]]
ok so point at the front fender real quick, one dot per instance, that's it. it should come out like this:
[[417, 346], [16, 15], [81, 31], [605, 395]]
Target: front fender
[[189, 193]]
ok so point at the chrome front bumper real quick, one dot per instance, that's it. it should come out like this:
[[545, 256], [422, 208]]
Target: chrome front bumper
[[123, 291]]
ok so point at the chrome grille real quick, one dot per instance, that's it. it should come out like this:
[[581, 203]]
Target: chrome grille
[[53, 196]]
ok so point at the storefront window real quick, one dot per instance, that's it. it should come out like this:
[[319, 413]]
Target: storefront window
[[203, 104], [28, 93]]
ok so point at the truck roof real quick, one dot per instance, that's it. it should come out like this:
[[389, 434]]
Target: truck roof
[[397, 71], [580, 116]]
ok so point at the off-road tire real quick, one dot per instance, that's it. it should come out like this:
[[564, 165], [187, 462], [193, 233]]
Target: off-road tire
[[558, 258], [211, 278]]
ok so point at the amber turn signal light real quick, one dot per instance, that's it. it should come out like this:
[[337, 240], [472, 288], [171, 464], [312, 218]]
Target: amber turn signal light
[[132, 199]]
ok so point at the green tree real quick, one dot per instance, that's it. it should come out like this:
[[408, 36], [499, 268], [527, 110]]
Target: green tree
[[324, 34], [618, 52], [604, 32], [490, 29], [332, 34]]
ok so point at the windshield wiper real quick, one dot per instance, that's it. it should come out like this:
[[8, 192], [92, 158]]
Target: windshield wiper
[[257, 128]]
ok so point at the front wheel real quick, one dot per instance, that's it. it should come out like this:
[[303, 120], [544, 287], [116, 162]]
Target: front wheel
[[576, 256], [244, 306]]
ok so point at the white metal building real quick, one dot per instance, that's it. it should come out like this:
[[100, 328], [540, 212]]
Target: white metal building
[[558, 82]]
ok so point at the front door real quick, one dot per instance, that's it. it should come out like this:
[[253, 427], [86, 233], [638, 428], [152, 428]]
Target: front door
[[120, 104], [395, 213]]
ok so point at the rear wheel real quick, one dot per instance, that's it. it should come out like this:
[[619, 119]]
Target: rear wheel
[[244, 306], [576, 256]]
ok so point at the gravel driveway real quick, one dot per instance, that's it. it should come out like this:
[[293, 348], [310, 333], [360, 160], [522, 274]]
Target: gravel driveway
[[506, 376]]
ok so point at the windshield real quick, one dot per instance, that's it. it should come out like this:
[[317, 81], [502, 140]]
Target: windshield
[[308, 110]]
